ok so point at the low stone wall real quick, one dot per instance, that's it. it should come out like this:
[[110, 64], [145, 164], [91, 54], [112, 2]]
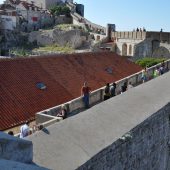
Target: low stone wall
[[148, 140], [40, 118], [96, 96], [93, 25], [99, 37], [15, 149], [63, 20], [50, 122]]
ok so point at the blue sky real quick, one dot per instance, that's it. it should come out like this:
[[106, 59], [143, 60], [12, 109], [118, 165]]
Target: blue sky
[[129, 14]]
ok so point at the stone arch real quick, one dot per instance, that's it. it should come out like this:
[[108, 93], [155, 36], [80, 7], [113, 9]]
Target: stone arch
[[155, 45], [130, 49], [124, 49], [161, 52]]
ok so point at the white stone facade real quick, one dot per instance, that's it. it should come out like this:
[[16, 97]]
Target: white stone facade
[[128, 43]]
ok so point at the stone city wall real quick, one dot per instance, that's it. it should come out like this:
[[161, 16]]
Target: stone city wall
[[81, 21], [150, 139], [129, 42], [129, 35], [62, 19], [142, 44], [160, 36]]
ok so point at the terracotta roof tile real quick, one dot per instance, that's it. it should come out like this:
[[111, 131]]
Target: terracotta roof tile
[[63, 76]]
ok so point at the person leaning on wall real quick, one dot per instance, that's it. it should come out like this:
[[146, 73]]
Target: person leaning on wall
[[85, 92]]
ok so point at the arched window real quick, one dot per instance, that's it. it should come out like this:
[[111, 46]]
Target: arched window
[[124, 49], [130, 49]]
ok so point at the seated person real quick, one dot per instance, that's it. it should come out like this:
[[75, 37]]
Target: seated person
[[62, 113]]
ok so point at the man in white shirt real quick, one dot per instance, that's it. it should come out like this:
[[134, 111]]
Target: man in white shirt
[[24, 130]]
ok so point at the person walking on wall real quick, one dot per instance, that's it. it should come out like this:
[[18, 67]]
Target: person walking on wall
[[156, 72], [24, 130], [113, 90], [107, 92], [85, 92], [144, 75]]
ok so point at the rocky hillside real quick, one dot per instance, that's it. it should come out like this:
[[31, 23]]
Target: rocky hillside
[[72, 37]]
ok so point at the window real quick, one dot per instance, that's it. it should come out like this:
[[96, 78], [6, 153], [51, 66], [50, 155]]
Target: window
[[109, 70], [41, 86]]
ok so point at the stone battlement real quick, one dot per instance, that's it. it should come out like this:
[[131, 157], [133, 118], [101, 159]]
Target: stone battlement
[[141, 35]]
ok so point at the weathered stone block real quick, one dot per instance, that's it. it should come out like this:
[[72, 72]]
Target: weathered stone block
[[12, 148], [12, 165]]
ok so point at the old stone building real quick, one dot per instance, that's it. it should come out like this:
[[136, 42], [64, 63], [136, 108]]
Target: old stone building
[[142, 43]]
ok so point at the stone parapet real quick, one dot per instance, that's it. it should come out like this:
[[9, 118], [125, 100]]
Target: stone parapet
[[15, 149], [144, 147], [141, 35], [129, 35], [12, 165]]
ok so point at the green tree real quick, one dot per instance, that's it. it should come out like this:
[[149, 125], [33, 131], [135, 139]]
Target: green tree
[[66, 11], [60, 10], [148, 62]]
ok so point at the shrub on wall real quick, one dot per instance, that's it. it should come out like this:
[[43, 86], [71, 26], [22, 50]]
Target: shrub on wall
[[60, 10], [148, 62], [19, 52]]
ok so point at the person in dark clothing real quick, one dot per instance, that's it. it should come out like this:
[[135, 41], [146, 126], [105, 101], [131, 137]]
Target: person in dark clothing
[[113, 90], [107, 92], [124, 87]]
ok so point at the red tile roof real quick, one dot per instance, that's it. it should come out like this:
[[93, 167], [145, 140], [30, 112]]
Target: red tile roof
[[63, 76]]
